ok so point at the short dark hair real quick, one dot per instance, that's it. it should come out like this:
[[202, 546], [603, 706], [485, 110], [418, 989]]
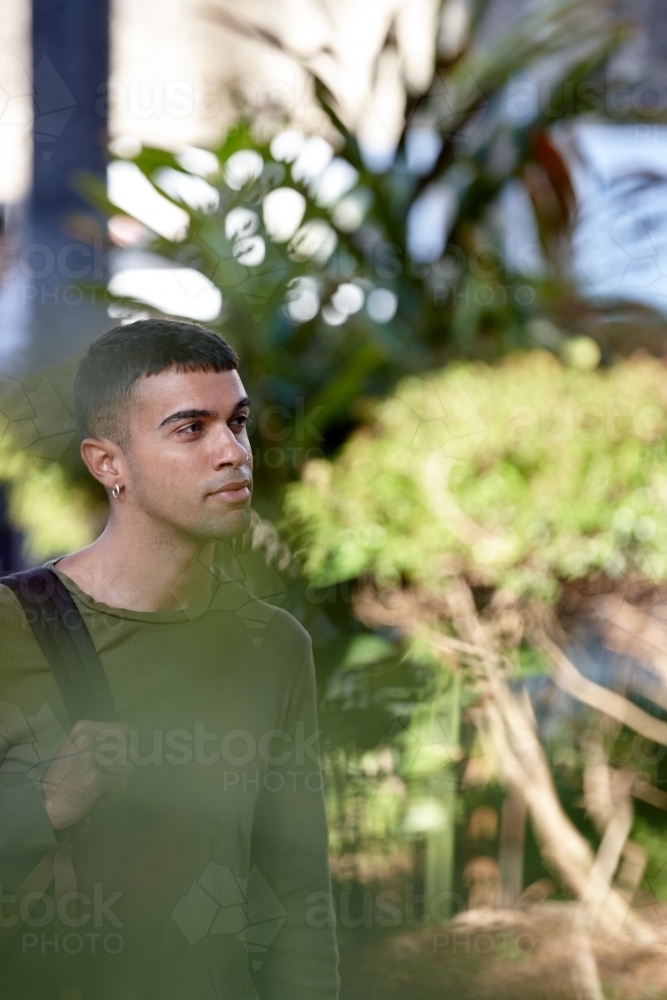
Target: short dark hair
[[110, 368]]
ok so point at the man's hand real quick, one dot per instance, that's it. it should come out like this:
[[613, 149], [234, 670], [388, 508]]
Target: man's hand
[[85, 773]]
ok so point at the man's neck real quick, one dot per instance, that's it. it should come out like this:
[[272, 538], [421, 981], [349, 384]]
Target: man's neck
[[146, 570]]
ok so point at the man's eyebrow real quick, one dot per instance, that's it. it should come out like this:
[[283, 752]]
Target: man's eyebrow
[[194, 414]]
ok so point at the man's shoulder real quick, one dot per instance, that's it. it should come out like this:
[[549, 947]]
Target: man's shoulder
[[274, 630], [11, 612], [286, 624], [19, 648], [280, 624]]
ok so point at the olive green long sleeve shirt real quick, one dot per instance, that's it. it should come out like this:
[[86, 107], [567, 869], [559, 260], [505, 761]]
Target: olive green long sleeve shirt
[[209, 878]]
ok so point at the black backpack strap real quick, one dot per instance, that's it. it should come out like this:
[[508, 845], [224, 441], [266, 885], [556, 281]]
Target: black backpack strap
[[66, 643]]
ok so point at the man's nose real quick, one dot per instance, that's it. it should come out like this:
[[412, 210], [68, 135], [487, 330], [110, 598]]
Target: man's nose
[[231, 451]]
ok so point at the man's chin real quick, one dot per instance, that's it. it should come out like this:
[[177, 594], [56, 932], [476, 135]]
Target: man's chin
[[235, 523]]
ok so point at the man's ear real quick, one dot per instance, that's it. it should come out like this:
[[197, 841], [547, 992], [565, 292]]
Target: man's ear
[[104, 460]]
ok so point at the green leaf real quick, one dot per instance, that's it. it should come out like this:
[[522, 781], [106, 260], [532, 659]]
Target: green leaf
[[366, 649]]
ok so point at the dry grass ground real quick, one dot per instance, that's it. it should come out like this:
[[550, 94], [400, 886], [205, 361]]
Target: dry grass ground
[[536, 955]]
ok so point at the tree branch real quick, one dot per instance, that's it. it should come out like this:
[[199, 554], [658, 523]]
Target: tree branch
[[614, 705]]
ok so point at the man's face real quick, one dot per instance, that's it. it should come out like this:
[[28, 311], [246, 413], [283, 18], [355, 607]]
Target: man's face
[[189, 458]]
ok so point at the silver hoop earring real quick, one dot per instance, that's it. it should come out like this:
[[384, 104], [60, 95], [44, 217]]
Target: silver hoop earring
[[115, 492]]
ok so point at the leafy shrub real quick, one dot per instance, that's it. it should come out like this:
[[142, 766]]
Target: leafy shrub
[[518, 476]]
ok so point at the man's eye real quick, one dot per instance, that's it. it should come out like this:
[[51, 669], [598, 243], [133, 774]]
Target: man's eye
[[241, 419], [191, 428]]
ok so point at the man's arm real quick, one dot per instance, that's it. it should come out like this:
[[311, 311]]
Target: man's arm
[[290, 850]]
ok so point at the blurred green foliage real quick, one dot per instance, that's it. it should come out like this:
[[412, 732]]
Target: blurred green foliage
[[653, 841], [516, 476], [53, 515]]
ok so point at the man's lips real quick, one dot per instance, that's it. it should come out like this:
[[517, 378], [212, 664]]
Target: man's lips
[[234, 492]]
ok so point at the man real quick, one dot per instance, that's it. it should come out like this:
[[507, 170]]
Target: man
[[197, 816]]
